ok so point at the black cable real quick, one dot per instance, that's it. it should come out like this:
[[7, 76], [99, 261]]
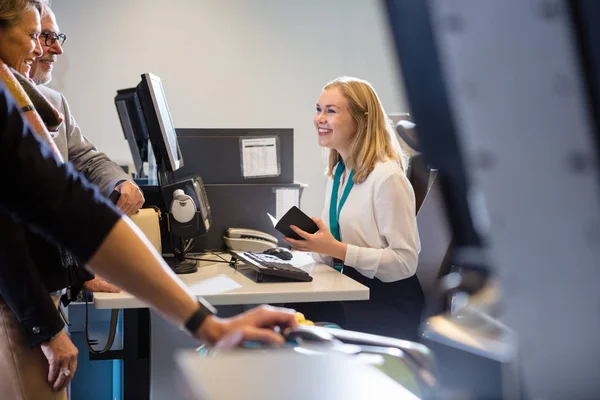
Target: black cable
[[215, 253], [61, 311], [205, 259], [112, 330], [91, 342]]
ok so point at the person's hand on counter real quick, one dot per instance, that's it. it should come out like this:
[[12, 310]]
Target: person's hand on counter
[[257, 324], [100, 285]]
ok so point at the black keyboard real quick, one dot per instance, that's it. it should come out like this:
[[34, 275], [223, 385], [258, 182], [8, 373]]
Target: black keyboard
[[267, 265]]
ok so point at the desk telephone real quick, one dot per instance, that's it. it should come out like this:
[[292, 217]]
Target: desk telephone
[[241, 239]]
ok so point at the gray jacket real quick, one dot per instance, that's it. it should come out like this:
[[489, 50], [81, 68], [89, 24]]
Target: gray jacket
[[75, 147]]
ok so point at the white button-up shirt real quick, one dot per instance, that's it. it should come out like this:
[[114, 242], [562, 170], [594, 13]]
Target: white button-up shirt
[[379, 225]]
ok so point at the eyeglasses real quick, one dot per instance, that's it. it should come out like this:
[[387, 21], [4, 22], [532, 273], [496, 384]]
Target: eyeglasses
[[51, 37]]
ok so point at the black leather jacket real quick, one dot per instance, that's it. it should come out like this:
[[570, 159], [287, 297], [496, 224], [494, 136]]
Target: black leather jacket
[[39, 192]]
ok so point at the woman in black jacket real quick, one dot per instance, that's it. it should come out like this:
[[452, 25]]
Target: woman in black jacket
[[46, 194]]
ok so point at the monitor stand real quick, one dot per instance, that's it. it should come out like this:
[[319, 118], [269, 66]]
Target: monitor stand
[[179, 264], [183, 267]]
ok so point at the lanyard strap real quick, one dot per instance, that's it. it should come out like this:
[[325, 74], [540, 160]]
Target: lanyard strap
[[334, 208]]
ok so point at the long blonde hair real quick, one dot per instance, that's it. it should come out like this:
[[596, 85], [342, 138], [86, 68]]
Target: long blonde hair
[[375, 139]]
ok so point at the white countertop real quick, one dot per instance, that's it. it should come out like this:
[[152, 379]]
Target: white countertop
[[284, 373], [220, 284]]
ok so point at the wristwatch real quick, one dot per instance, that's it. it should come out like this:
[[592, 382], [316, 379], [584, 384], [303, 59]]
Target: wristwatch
[[198, 317], [338, 265]]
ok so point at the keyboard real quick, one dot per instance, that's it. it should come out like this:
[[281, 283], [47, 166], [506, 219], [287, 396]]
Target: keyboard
[[269, 266]]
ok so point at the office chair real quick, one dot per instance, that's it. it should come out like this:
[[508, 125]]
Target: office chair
[[434, 260], [435, 239], [419, 175]]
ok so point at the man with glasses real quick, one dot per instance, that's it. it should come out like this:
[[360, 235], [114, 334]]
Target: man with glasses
[[48, 39], [96, 166], [75, 147], [85, 158]]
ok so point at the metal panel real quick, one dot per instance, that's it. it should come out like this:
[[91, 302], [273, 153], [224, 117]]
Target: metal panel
[[518, 102]]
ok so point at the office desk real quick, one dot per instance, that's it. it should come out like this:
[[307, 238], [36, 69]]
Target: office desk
[[327, 285], [150, 341]]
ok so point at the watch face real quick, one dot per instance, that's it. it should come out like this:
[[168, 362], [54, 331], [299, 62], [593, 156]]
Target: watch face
[[207, 305]]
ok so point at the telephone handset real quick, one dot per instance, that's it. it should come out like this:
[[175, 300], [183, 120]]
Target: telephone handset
[[241, 239]]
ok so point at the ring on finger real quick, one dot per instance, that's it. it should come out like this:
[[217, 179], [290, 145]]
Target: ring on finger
[[65, 371]]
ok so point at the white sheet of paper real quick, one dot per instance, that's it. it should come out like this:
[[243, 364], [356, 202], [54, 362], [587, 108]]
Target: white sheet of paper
[[215, 285], [302, 258], [284, 200], [259, 157]]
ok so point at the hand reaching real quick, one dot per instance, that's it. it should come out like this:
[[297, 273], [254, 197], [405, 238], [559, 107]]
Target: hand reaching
[[256, 324]]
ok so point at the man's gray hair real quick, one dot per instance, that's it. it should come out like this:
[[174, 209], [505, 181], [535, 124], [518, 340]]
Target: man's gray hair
[[45, 8]]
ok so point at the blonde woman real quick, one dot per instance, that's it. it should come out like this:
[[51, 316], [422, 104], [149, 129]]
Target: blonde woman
[[368, 228]]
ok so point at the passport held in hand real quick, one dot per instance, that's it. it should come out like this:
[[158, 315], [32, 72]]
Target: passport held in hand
[[295, 217]]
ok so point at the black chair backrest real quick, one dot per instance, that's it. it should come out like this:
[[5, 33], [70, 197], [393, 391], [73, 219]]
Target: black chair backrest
[[418, 175], [435, 236]]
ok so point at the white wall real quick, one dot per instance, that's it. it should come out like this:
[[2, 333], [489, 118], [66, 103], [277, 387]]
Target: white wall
[[224, 64]]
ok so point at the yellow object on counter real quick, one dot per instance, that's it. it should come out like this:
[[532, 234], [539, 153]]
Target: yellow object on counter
[[301, 319]]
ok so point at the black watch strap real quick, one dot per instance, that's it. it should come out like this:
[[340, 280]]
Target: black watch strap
[[204, 311], [338, 265]]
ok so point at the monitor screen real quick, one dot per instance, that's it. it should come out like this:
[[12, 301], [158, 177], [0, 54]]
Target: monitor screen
[[160, 124], [134, 126]]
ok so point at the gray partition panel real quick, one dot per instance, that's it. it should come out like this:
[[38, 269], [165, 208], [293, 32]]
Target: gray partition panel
[[241, 206], [214, 154]]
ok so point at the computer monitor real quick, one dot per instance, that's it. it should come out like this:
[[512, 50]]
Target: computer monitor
[[160, 124], [187, 207], [134, 127]]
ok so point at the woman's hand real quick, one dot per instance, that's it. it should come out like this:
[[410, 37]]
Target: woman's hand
[[321, 242], [61, 354]]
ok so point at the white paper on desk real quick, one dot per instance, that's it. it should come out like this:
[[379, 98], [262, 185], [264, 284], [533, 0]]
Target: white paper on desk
[[302, 258], [259, 157], [285, 198], [215, 285]]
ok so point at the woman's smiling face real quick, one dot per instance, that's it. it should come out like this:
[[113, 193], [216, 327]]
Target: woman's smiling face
[[19, 43]]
